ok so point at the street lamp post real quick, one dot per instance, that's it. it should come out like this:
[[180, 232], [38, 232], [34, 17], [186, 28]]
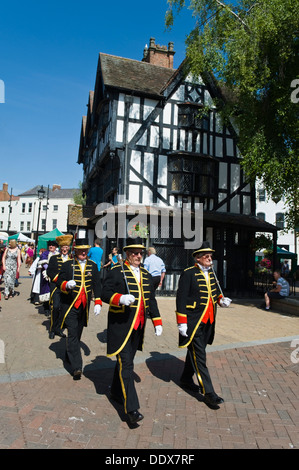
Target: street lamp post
[[40, 194]]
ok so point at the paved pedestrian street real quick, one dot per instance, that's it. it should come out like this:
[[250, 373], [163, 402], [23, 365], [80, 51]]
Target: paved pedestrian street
[[254, 365]]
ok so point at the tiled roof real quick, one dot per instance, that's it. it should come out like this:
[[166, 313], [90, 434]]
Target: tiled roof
[[57, 194], [79, 215], [133, 75]]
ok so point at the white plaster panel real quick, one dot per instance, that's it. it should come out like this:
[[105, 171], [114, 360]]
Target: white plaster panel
[[119, 130], [133, 128], [222, 175], [121, 105], [235, 177], [149, 167], [166, 138], [154, 136], [235, 204], [218, 147], [149, 105], [147, 195], [162, 170], [136, 164], [167, 114]]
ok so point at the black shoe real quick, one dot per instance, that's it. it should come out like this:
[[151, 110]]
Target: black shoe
[[51, 335], [212, 399], [189, 385], [135, 416], [60, 333], [77, 374]]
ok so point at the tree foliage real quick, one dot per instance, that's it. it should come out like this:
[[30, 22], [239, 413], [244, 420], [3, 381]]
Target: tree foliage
[[252, 49], [78, 196]]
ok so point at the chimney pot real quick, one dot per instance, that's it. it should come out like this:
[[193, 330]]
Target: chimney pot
[[159, 55]]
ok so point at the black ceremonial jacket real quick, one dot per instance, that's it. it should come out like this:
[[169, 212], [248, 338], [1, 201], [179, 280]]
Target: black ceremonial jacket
[[89, 280], [121, 319], [53, 270], [193, 299]]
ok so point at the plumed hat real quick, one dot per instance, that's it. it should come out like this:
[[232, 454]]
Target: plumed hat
[[133, 243], [81, 244], [205, 248], [64, 240]]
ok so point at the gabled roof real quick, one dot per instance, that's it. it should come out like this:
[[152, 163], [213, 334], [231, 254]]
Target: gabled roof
[[133, 75]]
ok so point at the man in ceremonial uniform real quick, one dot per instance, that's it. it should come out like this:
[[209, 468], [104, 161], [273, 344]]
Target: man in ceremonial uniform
[[76, 280], [129, 291], [42, 266], [55, 263], [196, 304]]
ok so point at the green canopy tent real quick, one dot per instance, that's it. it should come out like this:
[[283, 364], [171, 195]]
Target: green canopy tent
[[43, 239], [20, 237], [283, 254]]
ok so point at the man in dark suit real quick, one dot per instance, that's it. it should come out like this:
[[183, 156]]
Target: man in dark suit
[[77, 279], [196, 303], [54, 267], [129, 291]]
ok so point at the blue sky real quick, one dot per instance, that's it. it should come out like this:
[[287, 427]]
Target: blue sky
[[48, 59]]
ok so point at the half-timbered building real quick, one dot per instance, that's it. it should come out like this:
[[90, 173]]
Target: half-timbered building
[[154, 136]]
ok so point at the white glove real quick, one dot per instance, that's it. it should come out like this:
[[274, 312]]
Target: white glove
[[225, 302], [158, 330], [183, 329], [44, 273], [97, 309], [71, 284], [127, 299]]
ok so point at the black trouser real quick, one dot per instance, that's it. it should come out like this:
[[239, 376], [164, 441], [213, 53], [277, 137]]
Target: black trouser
[[56, 316], [74, 323], [123, 386], [156, 281], [196, 359]]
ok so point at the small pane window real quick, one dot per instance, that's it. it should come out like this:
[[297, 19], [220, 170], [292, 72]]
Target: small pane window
[[280, 220], [190, 116], [261, 215]]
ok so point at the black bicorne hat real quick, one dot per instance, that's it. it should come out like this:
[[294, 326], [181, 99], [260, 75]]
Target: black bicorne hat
[[205, 248], [82, 244], [134, 243]]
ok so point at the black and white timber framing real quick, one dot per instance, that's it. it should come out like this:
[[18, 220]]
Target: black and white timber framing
[[144, 139]]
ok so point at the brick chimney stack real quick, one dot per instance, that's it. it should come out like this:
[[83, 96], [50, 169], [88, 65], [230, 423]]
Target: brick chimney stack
[[56, 186], [159, 55]]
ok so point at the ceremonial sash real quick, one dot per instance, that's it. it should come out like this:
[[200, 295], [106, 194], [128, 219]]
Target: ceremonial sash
[[209, 315], [140, 316]]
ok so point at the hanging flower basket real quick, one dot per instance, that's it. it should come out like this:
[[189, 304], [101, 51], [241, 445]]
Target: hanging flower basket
[[139, 230]]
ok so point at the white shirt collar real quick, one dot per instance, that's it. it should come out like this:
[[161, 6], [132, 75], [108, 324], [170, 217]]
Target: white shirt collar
[[136, 271], [203, 268]]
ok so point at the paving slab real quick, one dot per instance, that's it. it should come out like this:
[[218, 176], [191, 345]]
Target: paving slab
[[254, 363]]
